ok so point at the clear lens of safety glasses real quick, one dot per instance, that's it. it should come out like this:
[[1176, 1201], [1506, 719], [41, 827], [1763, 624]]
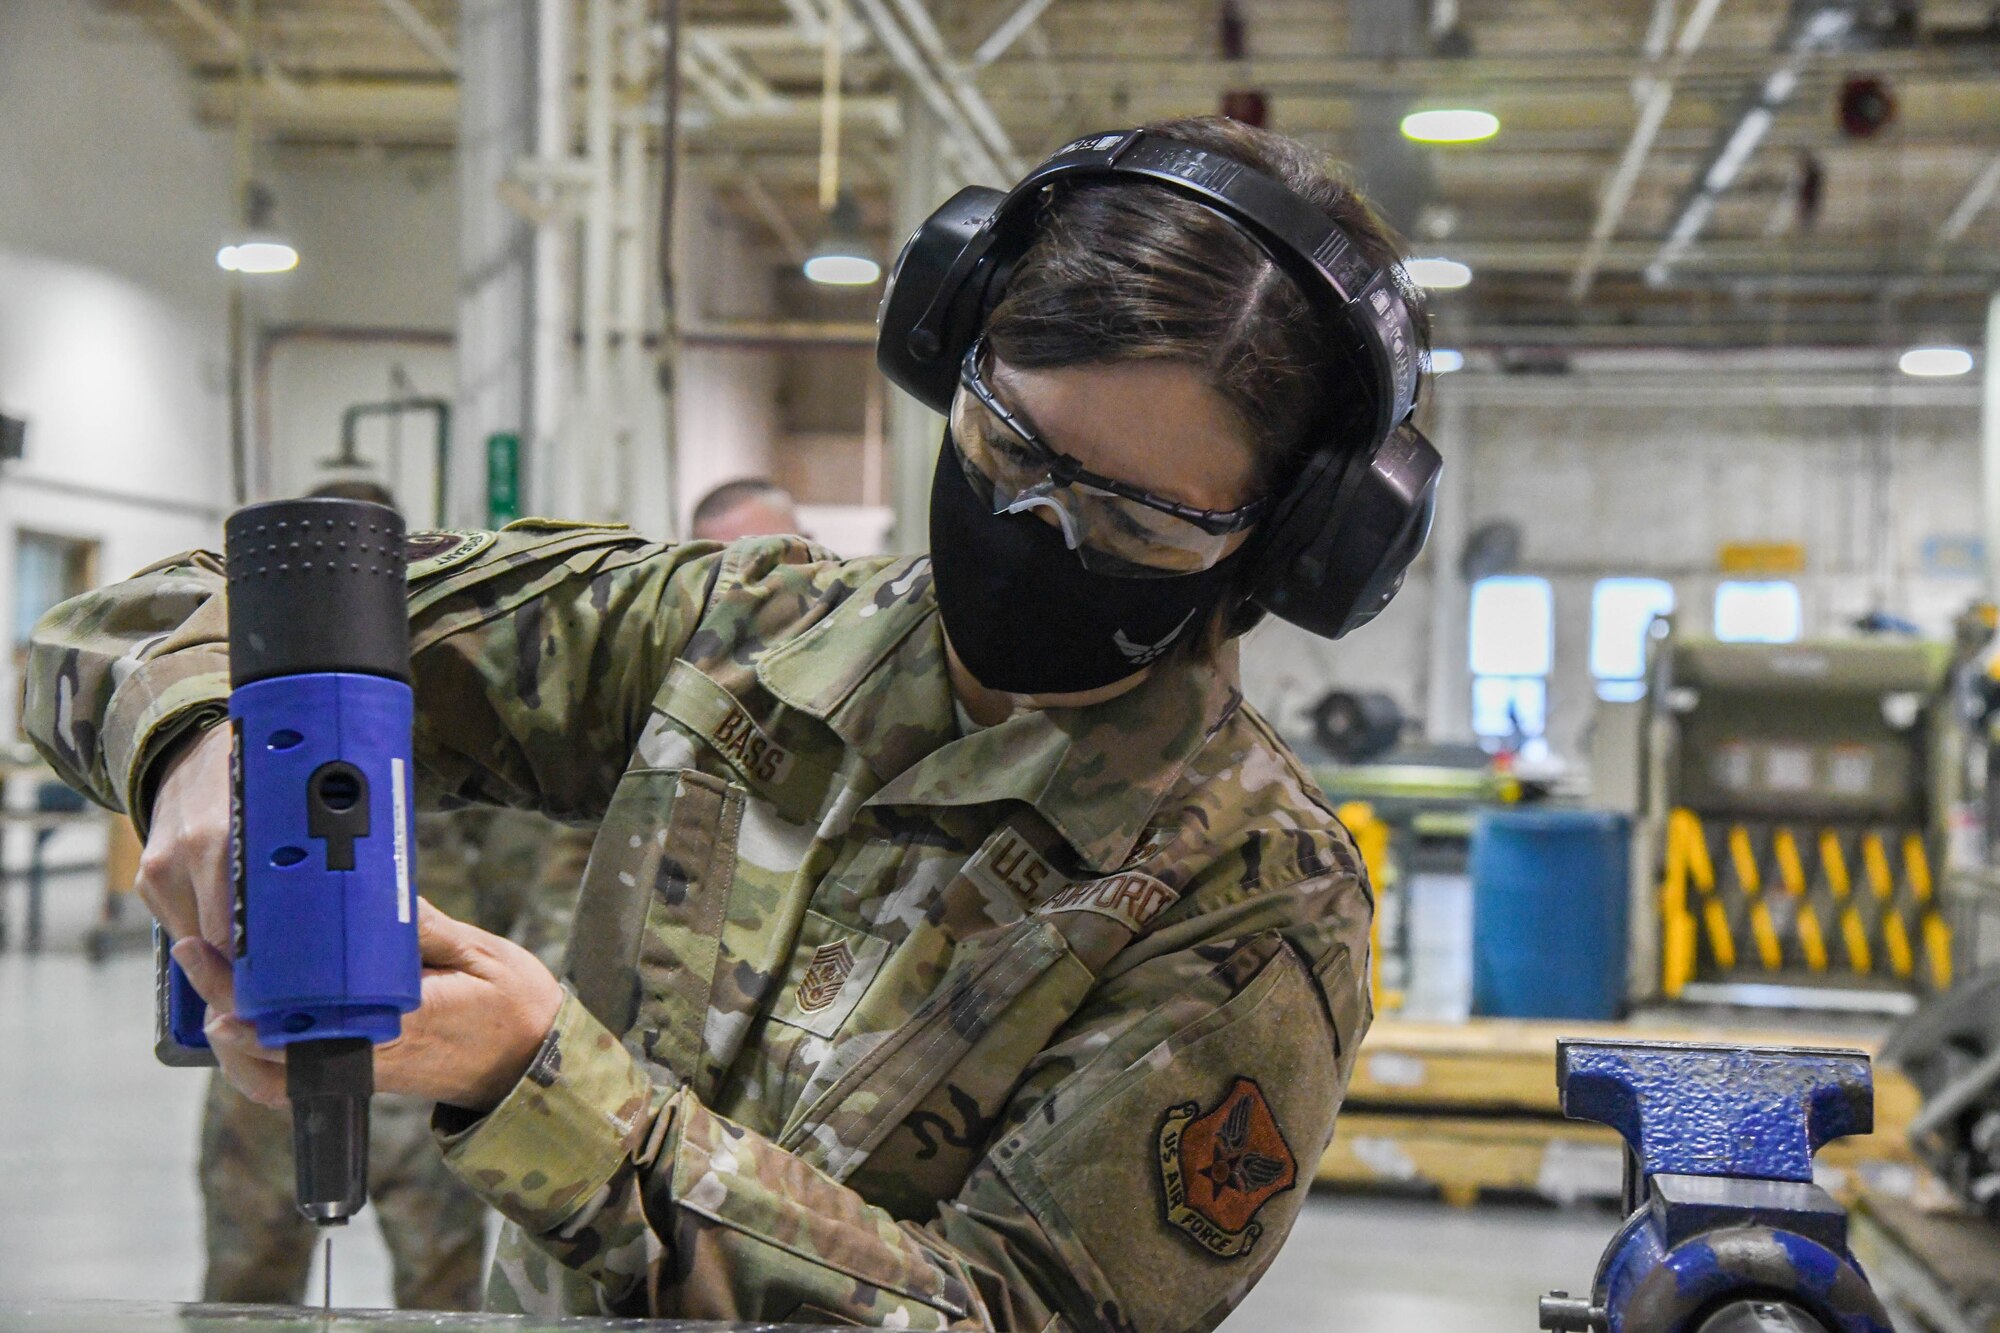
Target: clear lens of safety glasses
[[1111, 534]]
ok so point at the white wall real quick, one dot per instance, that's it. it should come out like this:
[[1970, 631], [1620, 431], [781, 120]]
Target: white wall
[[112, 341], [374, 294], [727, 416], [1654, 483]]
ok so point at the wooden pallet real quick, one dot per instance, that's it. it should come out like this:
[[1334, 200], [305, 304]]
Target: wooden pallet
[[1465, 1110], [1941, 1266]]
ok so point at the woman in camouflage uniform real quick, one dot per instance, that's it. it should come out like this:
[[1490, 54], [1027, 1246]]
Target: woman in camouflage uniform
[[912, 983]]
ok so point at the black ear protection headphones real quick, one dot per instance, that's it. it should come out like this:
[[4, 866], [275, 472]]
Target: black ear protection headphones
[[1336, 546]]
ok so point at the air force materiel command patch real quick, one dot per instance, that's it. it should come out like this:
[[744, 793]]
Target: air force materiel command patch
[[1219, 1168]]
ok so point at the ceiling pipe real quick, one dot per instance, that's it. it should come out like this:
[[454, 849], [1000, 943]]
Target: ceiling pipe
[[1815, 27], [1656, 95]]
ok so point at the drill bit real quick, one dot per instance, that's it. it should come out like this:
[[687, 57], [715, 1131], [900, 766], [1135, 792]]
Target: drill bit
[[326, 1272]]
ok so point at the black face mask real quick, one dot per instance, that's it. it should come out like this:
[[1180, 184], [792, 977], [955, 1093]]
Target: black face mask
[[1026, 617]]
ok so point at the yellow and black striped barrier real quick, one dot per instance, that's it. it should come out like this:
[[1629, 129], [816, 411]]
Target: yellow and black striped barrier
[[1781, 900]]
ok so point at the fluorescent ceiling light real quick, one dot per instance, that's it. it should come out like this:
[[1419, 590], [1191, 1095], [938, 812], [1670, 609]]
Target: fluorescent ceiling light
[[1750, 132], [1780, 85], [1437, 274], [1692, 221], [843, 270], [1935, 362], [1450, 125], [1444, 360], [258, 257]]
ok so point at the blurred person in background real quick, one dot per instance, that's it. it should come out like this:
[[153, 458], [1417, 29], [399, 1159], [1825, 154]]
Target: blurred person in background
[[747, 507]]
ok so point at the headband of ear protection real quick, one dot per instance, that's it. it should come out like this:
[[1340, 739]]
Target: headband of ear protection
[[1355, 514]]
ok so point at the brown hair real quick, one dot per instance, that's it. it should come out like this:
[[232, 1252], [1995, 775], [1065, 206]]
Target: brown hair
[[1135, 271]]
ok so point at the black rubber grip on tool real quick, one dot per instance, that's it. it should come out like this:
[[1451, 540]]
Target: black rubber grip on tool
[[316, 585]]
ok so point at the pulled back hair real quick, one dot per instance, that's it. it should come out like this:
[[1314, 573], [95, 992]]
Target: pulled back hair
[[1133, 271]]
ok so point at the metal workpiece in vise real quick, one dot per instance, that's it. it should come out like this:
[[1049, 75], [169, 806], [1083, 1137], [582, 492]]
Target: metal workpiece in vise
[[1725, 1230], [322, 847]]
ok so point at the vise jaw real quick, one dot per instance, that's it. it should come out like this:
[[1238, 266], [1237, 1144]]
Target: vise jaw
[[1724, 1222], [1687, 1109]]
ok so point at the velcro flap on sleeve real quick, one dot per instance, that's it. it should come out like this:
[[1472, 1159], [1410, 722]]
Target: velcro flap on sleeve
[[1182, 1176], [759, 1191], [560, 1134]]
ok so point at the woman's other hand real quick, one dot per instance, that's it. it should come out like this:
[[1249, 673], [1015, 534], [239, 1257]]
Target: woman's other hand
[[487, 1006], [184, 870]]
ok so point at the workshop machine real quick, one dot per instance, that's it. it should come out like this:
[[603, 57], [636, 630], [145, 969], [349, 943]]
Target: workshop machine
[[1725, 1230], [322, 847], [1796, 802], [1951, 1050]]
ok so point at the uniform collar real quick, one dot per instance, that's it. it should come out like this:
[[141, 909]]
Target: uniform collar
[[874, 671]]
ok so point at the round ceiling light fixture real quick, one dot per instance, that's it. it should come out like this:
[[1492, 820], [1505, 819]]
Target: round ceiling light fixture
[[257, 256], [1438, 275], [842, 257], [1935, 362], [1450, 125]]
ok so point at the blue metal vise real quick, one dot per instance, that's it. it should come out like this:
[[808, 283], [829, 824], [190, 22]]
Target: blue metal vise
[[1726, 1232]]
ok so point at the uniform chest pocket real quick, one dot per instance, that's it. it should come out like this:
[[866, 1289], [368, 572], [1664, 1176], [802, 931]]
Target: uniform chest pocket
[[831, 969], [649, 915]]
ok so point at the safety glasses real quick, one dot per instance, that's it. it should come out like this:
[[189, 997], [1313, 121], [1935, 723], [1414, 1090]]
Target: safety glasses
[[1114, 528]]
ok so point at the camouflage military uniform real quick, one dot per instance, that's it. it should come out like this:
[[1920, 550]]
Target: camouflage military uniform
[[872, 1018], [511, 873]]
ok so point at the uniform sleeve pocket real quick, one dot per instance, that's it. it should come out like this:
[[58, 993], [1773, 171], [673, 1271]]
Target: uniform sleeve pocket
[[1350, 1004], [1194, 1159], [643, 951]]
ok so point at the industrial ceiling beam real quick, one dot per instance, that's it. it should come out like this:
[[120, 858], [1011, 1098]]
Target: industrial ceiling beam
[[1008, 32], [423, 32], [1815, 27], [1557, 73], [958, 81], [234, 44], [975, 155], [1977, 196], [427, 109], [1656, 95]]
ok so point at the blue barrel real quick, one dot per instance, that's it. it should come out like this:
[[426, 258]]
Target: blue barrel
[[1550, 894]]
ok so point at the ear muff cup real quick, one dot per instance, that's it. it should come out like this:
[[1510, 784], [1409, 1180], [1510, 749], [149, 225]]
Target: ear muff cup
[[935, 300], [1339, 548]]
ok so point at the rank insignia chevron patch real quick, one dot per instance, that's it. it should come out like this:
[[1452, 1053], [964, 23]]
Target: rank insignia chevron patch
[[825, 975]]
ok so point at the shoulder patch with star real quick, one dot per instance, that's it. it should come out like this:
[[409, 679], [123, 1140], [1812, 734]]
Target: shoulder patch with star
[[1219, 1167]]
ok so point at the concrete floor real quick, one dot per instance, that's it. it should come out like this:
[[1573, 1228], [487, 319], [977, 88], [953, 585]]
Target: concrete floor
[[97, 1195]]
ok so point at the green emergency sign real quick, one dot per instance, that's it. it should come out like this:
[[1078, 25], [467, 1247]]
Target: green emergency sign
[[503, 479]]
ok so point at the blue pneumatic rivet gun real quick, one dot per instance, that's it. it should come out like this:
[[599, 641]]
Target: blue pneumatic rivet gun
[[1726, 1231], [322, 852]]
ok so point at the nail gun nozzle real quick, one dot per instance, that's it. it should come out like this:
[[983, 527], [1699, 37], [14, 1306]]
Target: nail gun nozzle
[[330, 1083]]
